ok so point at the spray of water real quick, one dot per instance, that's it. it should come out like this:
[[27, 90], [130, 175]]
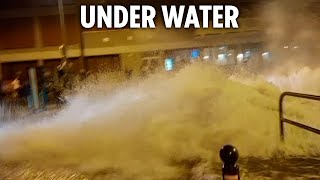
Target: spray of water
[[10, 112], [172, 126], [155, 128], [302, 80]]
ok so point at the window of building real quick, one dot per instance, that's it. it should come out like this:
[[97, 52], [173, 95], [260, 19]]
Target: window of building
[[195, 54], [169, 64]]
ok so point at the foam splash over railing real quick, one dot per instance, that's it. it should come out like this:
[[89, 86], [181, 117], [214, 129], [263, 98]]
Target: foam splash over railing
[[148, 130], [302, 80]]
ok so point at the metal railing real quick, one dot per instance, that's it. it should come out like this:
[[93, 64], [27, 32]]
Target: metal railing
[[296, 124]]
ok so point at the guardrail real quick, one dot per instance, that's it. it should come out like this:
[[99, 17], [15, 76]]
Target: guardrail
[[296, 124]]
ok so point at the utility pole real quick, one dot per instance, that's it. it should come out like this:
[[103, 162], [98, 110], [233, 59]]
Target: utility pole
[[63, 31], [81, 44]]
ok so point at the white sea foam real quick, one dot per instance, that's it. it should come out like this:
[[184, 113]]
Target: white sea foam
[[147, 129]]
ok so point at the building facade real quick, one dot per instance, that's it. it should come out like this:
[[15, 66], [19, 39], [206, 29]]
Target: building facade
[[31, 33]]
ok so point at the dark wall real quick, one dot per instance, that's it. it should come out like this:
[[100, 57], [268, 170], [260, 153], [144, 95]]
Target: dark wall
[[51, 32], [16, 33], [9, 70], [13, 4]]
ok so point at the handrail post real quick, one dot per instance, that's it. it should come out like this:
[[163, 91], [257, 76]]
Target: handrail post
[[283, 120], [281, 116], [230, 170]]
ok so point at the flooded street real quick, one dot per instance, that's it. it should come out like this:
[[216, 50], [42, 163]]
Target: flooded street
[[164, 127]]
